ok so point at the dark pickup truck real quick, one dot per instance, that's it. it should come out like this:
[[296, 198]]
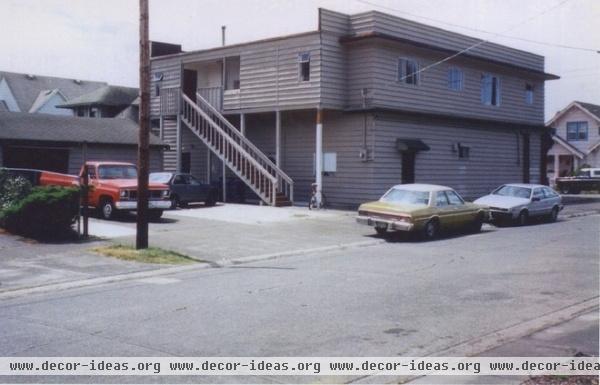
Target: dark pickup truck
[[586, 179]]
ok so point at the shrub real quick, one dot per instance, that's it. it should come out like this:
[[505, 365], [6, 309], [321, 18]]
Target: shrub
[[12, 189], [48, 212]]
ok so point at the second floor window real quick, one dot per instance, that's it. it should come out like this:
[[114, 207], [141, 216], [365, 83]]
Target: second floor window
[[304, 66], [408, 71], [528, 93], [490, 90], [455, 79], [577, 131]]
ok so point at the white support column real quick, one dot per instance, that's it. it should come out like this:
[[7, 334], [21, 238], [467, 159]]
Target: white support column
[[278, 138], [178, 143], [224, 181], [243, 124], [319, 155]]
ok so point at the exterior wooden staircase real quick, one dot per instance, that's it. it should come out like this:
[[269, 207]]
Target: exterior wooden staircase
[[242, 157]]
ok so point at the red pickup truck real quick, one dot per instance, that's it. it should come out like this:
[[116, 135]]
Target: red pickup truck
[[113, 188]]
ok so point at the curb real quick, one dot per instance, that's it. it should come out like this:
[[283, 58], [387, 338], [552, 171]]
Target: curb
[[17, 292], [498, 338], [582, 214]]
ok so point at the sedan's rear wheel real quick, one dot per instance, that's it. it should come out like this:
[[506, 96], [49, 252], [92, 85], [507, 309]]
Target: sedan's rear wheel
[[431, 230], [553, 214]]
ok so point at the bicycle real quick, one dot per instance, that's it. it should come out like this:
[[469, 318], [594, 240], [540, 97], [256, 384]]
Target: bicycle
[[312, 203]]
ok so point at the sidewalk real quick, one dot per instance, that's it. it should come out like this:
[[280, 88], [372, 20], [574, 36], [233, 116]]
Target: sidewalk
[[577, 336]]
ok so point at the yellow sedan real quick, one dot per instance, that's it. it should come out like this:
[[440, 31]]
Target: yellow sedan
[[423, 208]]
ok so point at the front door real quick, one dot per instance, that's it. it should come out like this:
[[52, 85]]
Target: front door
[[408, 167], [190, 83]]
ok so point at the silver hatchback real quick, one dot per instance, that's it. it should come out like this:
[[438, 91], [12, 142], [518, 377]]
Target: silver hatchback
[[518, 202]]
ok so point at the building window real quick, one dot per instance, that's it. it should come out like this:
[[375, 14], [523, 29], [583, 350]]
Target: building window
[[80, 111], [577, 131], [490, 90], [408, 71], [463, 151], [94, 112], [455, 79], [528, 93], [304, 66]]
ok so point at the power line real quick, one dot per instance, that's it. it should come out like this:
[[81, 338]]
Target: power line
[[515, 26], [480, 30]]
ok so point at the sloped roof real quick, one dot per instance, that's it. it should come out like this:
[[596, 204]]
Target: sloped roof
[[69, 129], [27, 88], [594, 109], [558, 139], [43, 98], [104, 96]]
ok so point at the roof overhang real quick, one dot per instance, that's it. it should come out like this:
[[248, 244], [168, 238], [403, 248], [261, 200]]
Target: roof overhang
[[411, 145], [386, 37], [563, 143]]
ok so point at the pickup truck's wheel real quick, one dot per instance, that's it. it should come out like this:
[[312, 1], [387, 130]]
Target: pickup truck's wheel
[[553, 214], [155, 215], [523, 218], [107, 209], [431, 230]]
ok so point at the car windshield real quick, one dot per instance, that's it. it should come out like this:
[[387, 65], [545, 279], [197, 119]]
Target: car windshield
[[117, 172], [513, 191], [160, 177], [401, 196]]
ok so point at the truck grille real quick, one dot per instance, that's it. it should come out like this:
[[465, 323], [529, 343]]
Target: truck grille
[[153, 194]]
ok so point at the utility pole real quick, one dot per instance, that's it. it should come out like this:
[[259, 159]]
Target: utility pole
[[141, 240]]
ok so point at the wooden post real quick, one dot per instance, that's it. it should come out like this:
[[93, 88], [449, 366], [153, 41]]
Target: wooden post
[[278, 138], [85, 191], [141, 241]]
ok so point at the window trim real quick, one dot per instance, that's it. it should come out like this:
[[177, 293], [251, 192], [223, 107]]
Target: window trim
[[498, 89], [303, 58], [451, 82], [402, 77], [529, 93], [578, 125]]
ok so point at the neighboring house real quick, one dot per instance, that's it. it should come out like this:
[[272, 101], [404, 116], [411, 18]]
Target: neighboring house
[[576, 136], [34, 93], [60, 143], [105, 102], [45, 122], [365, 94]]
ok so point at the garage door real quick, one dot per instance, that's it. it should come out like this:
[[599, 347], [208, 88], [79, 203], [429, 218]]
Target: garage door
[[40, 158]]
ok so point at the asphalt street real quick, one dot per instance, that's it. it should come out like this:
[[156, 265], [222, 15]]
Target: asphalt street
[[398, 298]]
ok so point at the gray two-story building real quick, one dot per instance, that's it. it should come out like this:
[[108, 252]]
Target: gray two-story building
[[365, 102]]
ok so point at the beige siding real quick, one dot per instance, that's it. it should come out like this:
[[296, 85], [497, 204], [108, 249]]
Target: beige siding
[[170, 138], [495, 155], [171, 70], [375, 67]]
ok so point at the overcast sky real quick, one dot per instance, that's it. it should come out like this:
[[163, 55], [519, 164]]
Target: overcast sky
[[98, 40]]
